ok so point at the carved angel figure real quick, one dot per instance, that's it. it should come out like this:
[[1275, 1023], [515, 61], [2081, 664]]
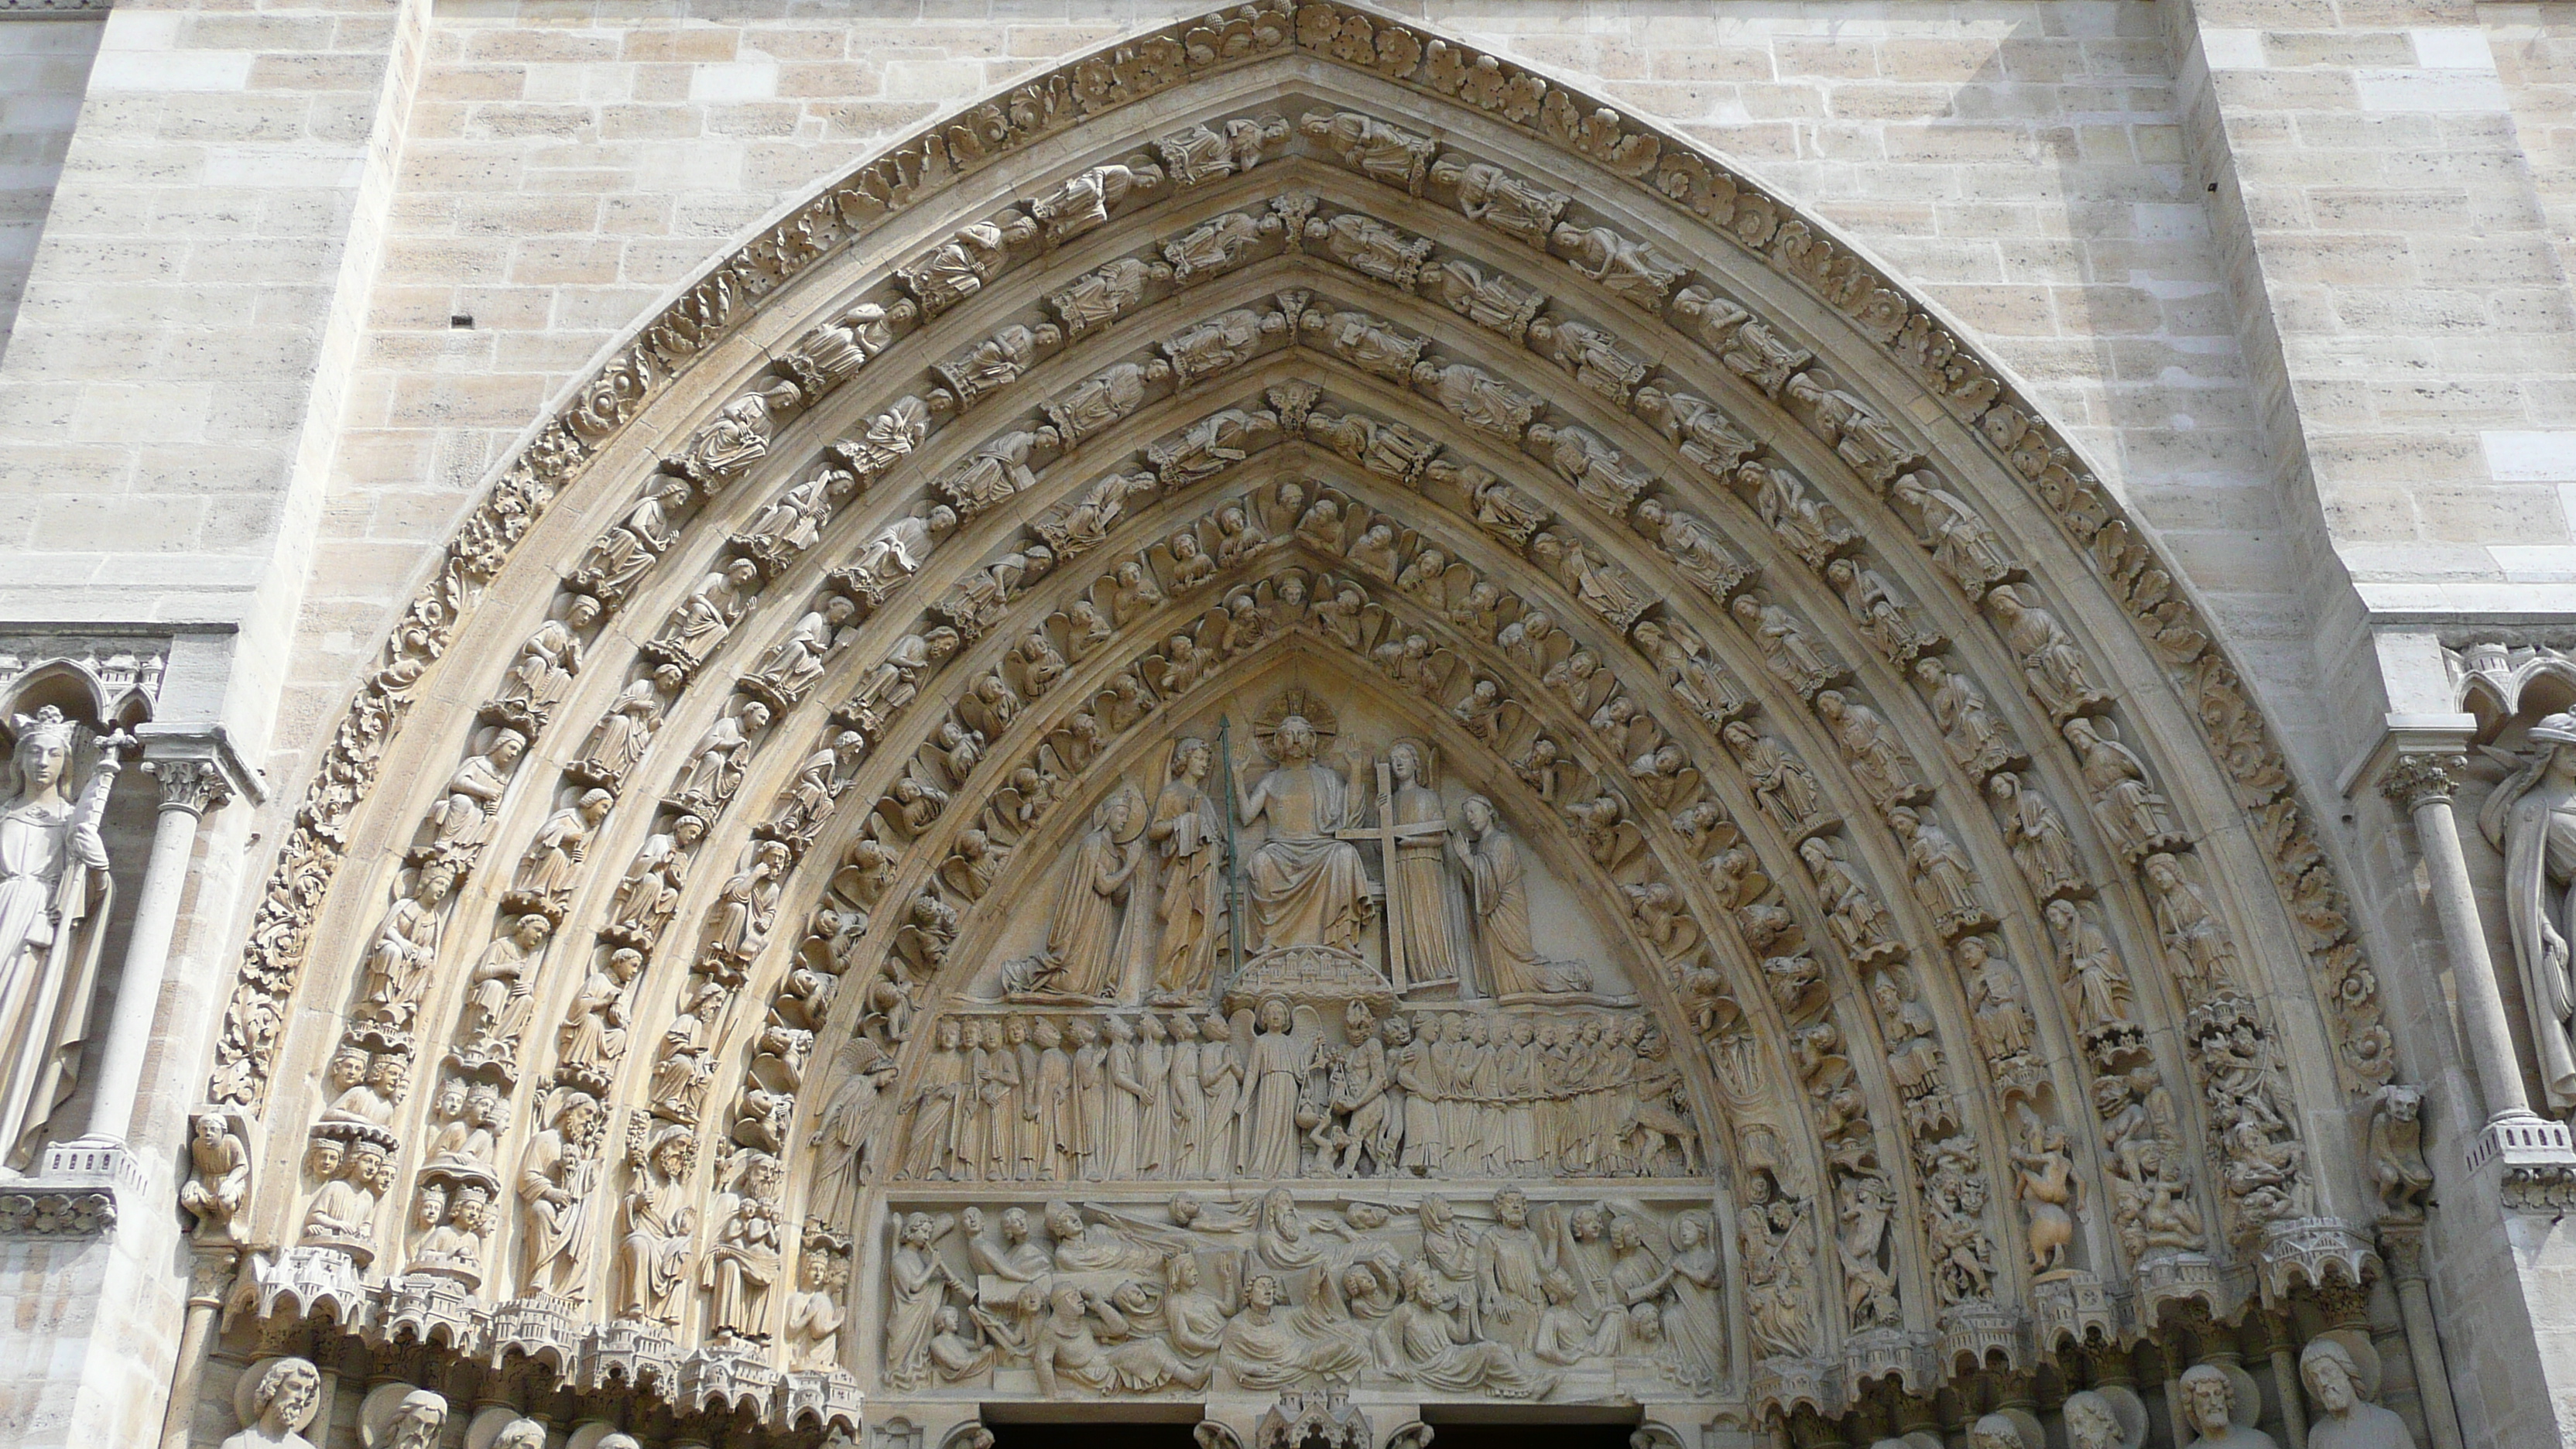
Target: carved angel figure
[[1963, 545], [1639, 274], [1476, 397], [2060, 677], [1387, 153], [1495, 303], [1697, 550]]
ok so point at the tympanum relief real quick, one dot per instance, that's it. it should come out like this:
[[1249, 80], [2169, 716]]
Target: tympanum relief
[[1517, 1295], [1334, 964]]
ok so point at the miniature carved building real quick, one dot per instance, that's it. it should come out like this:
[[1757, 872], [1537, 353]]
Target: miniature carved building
[[1294, 726]]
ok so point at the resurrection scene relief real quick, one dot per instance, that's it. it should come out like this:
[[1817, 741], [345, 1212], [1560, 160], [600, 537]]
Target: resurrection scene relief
[[1299, 951]]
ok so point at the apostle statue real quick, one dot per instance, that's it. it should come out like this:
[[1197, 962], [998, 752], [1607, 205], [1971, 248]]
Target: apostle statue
[[1498, 888], [1188, 839], [53, 911], [1307, 884], [1421, 926], [2532, 819]]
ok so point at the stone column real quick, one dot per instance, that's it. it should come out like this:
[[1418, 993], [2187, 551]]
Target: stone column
[[2401, 1246], [2421, 785], [190, 786], [207, 1284]]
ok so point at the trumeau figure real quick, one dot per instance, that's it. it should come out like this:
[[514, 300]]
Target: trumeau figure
[[2531, 817]]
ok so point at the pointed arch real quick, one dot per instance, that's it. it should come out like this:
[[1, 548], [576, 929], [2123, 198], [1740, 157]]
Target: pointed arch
[[600, 829]]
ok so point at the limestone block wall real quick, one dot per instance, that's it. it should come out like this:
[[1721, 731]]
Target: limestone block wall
[[2293, 272], [568, 165], [44, 67]]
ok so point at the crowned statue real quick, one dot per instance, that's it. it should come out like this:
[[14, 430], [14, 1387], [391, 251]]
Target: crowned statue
[[2532, 819], [53, 911]]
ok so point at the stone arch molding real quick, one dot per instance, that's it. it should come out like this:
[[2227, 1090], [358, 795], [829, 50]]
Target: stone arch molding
[[700, 842]]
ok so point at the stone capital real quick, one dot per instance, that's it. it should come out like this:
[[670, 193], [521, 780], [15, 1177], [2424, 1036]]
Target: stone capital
[[2408, 753], [194, 786], [2415, 777], [198, 769]]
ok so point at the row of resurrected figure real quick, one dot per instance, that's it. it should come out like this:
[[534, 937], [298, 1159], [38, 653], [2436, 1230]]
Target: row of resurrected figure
[[1035, 1096]]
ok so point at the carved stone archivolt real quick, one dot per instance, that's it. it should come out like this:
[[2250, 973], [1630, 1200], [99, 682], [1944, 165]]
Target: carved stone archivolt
[[1469, 767]]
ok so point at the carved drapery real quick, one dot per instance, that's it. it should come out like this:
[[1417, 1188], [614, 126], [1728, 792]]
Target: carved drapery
[[1887, 764]]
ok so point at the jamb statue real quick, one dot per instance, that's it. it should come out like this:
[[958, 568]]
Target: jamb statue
[[54, 894]]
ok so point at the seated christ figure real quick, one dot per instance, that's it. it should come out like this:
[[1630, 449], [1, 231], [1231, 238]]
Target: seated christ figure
[[1307, 885]]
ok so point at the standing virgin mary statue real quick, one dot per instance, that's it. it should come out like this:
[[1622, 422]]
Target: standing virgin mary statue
[[53, 913], [2532, 819]]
